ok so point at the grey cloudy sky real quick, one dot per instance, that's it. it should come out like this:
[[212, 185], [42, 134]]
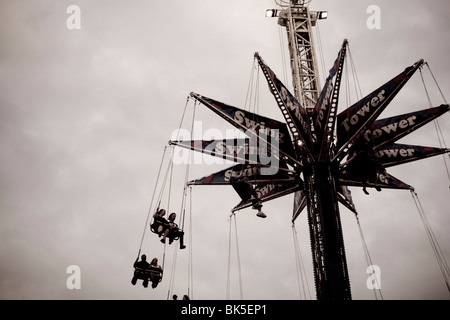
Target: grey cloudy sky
[[85, 115]]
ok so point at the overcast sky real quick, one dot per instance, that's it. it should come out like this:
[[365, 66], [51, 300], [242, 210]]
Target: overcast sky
[[86, 113]]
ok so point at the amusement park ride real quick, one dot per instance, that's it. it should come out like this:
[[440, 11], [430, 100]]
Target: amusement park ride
[[319, 151]]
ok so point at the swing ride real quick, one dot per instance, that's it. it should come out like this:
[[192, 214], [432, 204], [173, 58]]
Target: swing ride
[[318, 152]]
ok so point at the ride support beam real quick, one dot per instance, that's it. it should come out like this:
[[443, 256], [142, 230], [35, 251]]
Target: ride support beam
[[327, 243], [298, 22]]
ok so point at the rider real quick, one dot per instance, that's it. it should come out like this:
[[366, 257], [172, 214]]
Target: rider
[[155, 272], [159, 222], [172, 231], [139, 272]]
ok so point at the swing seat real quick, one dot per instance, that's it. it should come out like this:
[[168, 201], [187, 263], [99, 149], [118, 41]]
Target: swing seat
[[158, 226], [174, 234], [146, 273]]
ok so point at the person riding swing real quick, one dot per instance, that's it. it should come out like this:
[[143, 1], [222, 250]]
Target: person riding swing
[[140, 271], [155, 272], [363, 166], [159, 222], [173, 232], [147, 272]]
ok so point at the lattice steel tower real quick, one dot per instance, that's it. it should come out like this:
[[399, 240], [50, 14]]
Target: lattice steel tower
[[327, 245]]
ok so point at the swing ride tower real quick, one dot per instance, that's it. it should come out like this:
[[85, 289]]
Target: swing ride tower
[[327, 244], [315, 146]]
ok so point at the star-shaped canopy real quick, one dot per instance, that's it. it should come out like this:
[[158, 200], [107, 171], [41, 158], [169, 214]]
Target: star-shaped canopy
[[359, 146]]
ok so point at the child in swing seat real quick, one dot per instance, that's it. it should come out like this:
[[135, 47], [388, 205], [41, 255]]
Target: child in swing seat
[[172, 231]]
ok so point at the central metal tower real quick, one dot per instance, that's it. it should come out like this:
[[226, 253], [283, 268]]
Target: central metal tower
[[299, 22], [327, 244]]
